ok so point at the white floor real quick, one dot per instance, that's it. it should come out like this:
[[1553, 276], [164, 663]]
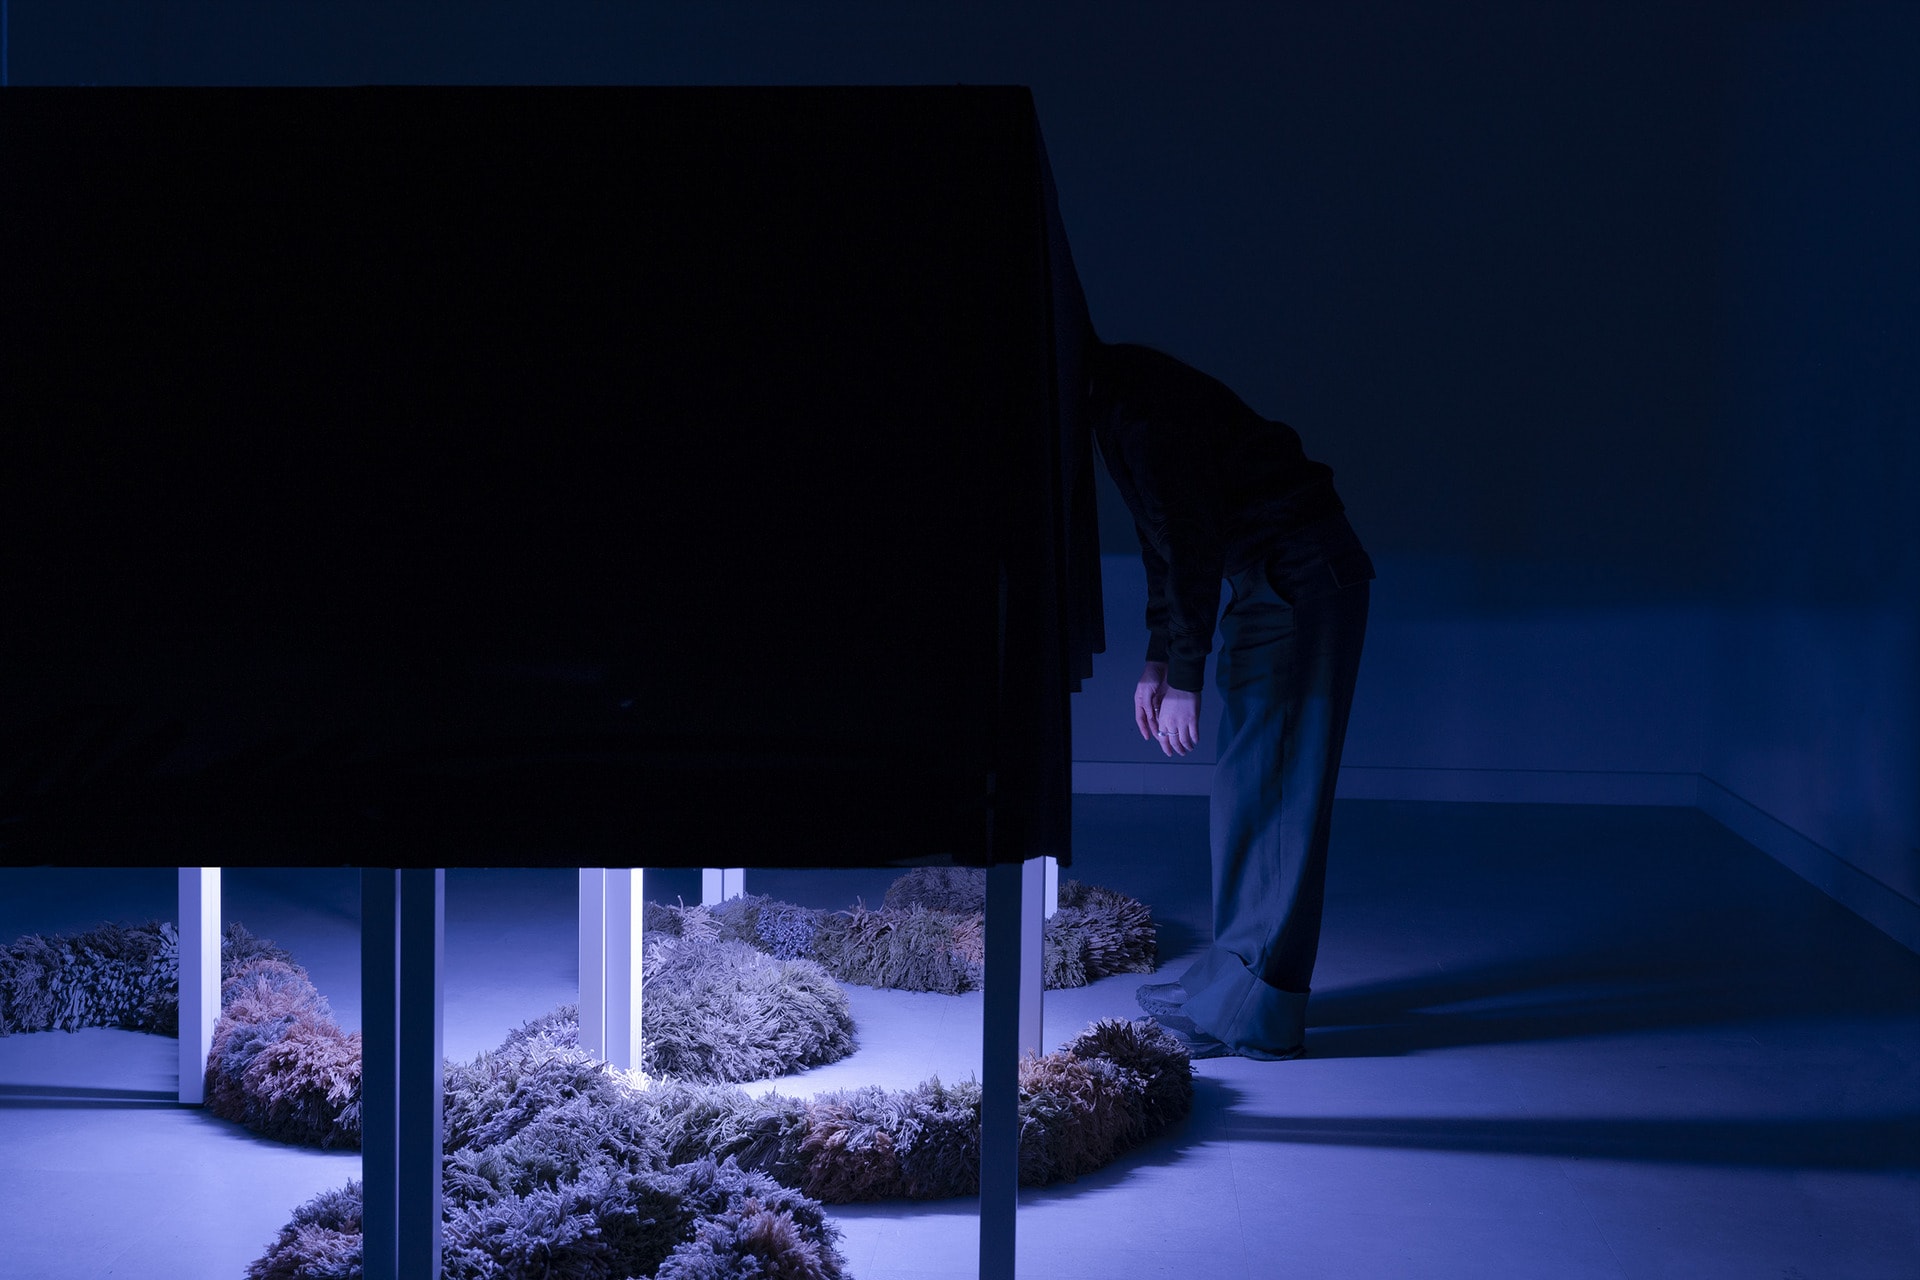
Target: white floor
[[1553, 1042]]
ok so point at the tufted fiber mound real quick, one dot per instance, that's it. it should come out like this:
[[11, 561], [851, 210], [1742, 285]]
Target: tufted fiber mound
[[929, 933], [557, 1166], [1117, 1085], [280, 1064], [554, 1168], [113, 976], [723, 1011]]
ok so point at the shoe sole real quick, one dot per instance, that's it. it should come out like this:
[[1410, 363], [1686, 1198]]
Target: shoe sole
[[1199, 1044], [1155, 1005]]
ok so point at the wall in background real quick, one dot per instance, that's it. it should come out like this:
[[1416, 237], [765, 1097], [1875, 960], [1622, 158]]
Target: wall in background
[[1816, 700], [1559, 689], [1602, 312], [1468, 251]]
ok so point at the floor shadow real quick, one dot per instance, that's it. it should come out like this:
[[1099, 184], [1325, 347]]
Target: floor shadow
[[1598, 991], [1890, 1142]]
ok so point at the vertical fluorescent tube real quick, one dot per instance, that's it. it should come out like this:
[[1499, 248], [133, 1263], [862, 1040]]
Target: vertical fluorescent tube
[[199, 960], [636, 916], [1033, 877], [717, 884], [623, 967], [593, 961]]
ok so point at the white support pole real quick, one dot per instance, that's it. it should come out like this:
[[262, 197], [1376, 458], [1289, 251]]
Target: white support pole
[[717, 884], [625, 913], [199, 977], [1053, 886], [1033, 876], [593, 961]]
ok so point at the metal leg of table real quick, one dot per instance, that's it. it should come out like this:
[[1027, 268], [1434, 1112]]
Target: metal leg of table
[[199, 956], [717, 884], [402, 945], [1012, 1025]]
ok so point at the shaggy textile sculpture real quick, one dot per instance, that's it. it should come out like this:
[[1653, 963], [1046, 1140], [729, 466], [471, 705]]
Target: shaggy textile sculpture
[[1116, 1085], [724, 1011], [554, 1168], [280, 1064], [959, 891], [557, 1166], [113, 976], [926, 937], [121, 976], [929, 934], [282, 1067]]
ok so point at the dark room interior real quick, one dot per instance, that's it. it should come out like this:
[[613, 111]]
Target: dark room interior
[[1603, 314]]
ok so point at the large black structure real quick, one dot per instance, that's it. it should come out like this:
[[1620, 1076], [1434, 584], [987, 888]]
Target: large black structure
[[530, 474], [412, 477]]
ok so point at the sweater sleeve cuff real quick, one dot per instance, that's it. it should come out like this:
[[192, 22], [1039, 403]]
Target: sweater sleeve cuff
[[1156, 647], [1187, 675]]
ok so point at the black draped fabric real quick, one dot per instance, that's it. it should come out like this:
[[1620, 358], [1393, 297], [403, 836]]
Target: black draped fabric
[[1073, 335], [518, 476]]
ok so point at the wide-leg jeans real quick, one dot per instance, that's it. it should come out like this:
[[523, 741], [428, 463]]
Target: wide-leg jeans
[[1290, 654]]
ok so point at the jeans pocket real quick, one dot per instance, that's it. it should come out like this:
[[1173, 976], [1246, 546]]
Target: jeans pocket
[[1320, 566], [1242, 585], [1350, 564]]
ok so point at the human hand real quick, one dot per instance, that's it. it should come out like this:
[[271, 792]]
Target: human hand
[[1179, 730], [1146, 699]]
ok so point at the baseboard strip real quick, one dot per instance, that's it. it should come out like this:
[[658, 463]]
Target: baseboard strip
[[1517, 786], [1879, 904], [1362, 782]]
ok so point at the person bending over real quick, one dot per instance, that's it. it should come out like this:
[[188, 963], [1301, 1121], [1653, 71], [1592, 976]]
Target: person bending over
[[1216, 491]]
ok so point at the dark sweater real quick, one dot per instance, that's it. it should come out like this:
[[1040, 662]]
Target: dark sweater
[[1211, 484]]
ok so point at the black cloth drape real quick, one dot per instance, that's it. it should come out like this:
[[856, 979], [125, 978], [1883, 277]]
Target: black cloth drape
[[507, 476]]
